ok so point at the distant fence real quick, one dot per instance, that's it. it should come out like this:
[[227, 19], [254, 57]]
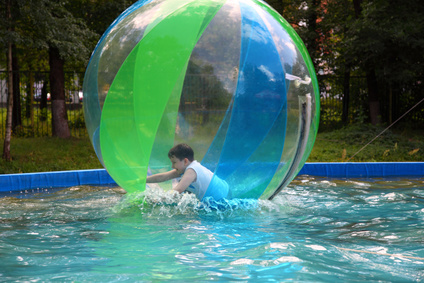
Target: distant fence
[[32, 115], [32, 105], [394, 101]]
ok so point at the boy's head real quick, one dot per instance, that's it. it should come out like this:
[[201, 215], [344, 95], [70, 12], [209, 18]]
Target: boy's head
[[182, 151]]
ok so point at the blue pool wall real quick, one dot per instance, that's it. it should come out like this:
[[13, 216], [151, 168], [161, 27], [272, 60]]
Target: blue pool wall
[[100, 177]]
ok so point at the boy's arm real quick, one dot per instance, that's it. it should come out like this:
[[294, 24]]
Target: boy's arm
[[162, 177], [188, 178]]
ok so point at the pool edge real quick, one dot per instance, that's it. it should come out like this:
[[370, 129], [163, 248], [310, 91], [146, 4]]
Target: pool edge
[[55, 179], [98, 177], [363, 169]]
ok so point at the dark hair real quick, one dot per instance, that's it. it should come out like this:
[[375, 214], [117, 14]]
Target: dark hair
[[181, 151]]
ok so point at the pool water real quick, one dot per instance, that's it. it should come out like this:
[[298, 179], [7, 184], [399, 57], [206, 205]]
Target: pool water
[[316, 230]]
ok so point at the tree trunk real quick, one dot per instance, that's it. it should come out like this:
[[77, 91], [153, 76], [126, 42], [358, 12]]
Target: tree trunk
[[8, 134], [373, 98], [16, 116], [313, 44], [60, 127], [357, 8], [372, 85]]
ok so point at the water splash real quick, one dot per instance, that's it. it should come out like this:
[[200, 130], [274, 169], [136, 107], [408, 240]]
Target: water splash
[[156, 202]]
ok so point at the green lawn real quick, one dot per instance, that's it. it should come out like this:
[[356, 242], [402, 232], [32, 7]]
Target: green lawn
[[392, 146], [49, 154]]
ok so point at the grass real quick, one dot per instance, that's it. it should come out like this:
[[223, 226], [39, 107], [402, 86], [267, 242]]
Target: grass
[[49, 154], [44, 154], [346, 144]]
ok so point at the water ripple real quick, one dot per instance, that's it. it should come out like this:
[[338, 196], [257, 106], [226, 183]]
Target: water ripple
[[316, 230]]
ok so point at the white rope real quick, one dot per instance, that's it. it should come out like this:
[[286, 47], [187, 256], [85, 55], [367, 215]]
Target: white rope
[[385, 130]]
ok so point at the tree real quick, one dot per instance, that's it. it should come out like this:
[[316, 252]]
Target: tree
[[305, 16], [98, 15], [7, 139], [336, 22], [64, 36], [48, 25], [59, 30], [386, 43], [16, 113], [379, 39]]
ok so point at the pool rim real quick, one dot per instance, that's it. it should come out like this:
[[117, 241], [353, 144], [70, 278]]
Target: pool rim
[[100, 177]]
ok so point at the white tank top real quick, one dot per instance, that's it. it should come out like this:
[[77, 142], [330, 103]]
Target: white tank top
[[203, 179]]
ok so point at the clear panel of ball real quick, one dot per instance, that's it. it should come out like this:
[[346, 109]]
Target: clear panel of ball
[[230, 78]]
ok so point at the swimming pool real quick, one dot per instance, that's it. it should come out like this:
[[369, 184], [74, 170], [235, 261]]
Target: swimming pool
[[316, 230]]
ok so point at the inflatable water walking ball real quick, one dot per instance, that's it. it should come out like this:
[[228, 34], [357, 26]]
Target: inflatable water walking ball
[[231, 78]]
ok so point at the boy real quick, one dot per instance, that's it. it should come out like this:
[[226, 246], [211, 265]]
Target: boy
[[195, 178]]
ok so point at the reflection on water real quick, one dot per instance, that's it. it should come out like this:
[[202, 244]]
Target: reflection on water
[[316, 230]]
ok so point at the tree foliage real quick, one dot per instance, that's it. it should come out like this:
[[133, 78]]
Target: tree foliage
[[379, 39], [57, 34], [388, 37], [71, 26]]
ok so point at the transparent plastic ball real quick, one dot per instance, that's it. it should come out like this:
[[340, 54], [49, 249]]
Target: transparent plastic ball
[[230, 78]]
